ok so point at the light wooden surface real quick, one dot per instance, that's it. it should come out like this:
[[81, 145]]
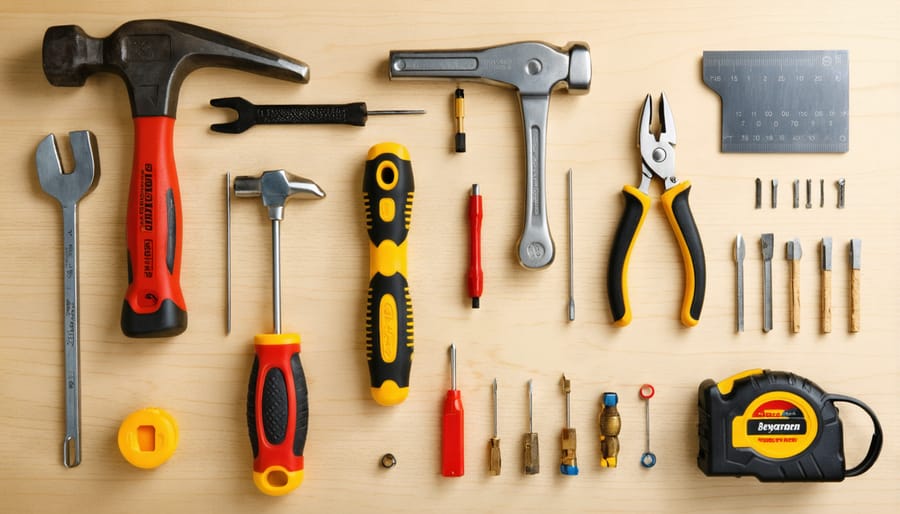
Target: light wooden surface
[[520, 332]]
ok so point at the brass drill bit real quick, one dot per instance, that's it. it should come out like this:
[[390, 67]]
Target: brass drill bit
[[532, 453], [495, 441]]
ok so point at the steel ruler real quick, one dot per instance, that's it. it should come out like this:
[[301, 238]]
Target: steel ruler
[[781, 101]]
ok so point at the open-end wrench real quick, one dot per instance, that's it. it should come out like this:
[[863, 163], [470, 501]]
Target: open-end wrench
[[534, 69], [68, 189]]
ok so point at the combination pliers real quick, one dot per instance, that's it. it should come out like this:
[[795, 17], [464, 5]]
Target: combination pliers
[[657, 160]]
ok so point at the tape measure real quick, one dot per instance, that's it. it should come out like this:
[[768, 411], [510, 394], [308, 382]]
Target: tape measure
[[776, 426], [782, 101]]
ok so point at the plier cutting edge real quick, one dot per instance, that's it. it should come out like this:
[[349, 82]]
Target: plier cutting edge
[[657, 159]]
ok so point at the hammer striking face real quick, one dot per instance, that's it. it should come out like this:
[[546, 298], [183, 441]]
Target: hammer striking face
[[153, 57]]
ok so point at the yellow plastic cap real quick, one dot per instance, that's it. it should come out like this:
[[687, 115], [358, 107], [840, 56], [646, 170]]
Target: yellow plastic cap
[[148, 437]]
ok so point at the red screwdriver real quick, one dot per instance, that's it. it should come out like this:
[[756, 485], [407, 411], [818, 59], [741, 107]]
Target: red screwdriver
[[476, 275], [452, 437]]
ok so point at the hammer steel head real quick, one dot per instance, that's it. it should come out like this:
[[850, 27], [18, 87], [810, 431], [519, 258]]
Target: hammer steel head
[[276, 187], [532, 67], [154, 56]]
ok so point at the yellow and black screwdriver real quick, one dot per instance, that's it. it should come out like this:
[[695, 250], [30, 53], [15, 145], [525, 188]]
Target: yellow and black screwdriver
[[388, 190]]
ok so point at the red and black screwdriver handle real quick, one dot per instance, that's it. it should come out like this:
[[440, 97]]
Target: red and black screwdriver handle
[[277, 413], [154, 304], [388, 190], [678, 212]]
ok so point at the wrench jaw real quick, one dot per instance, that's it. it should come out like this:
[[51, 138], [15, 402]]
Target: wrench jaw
[[246, 115], [68, 188]]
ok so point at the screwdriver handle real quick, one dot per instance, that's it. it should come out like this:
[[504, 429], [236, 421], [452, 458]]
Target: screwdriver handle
[[277, 413], [354, 113], [476, 274], [453, 436], [388, 190]]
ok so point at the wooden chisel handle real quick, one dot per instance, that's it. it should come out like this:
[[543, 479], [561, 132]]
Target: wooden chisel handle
[[795, 296], [854, 300], [826, 301]]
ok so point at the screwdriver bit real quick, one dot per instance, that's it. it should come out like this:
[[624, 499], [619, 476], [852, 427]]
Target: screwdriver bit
[[774, 193]]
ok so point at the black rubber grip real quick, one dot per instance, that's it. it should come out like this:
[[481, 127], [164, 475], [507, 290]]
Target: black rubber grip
[[344, 114], [274, 407], [169, 320], [401, 193], [629, 225], [398, 334], [681, 210]]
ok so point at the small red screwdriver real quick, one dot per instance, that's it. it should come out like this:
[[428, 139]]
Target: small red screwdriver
[[452, 437], [476, 275]]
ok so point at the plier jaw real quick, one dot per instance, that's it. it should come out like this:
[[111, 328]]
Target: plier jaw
[[657, 149], [657, 160]]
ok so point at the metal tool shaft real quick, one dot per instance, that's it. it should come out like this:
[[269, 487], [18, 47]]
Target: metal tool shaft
[[72, 442], [571, 248], [739, 252], [768, 242], [276, 276]]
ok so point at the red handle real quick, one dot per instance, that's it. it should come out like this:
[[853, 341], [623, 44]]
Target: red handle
[[476, 275], [453, 436], [154, 305], [277, 413]]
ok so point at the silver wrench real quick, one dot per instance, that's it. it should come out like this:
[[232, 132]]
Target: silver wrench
[[534, 69], [68, 189]]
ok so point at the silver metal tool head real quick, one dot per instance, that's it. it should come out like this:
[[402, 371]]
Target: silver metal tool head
[[856, 253], [767, 241], [794, 252], [740, 249], [826, 254], [534, 69], [276, 187], [657, 150], [70, 187]]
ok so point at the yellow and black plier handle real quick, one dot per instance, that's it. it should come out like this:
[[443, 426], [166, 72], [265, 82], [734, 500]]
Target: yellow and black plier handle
[[658, 156]]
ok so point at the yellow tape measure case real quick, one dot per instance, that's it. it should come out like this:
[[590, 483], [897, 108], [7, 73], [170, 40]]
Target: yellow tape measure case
[[776, 426]]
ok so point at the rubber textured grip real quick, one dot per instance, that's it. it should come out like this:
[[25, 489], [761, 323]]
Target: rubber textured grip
[[277, 413], [453, 461], [345, 114], [388, 190], [154, 305], [678, 212], [636, 206]]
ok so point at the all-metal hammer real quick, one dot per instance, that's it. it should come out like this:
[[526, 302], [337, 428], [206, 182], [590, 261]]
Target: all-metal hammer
[[154, 57], [534, 69]]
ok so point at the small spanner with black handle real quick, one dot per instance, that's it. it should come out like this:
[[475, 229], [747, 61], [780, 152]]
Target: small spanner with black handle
[[249, 114], [68, 189]]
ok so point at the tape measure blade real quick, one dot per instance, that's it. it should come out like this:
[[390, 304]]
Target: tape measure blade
[[781, 101]]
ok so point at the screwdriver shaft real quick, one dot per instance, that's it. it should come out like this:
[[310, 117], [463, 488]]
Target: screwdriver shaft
[[571, 248], [396, 111]]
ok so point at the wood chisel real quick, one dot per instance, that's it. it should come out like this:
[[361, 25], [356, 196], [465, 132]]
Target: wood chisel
[[781, 101]]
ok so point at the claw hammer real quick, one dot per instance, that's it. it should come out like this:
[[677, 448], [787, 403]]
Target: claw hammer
[[154, 57], [534, 69]]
